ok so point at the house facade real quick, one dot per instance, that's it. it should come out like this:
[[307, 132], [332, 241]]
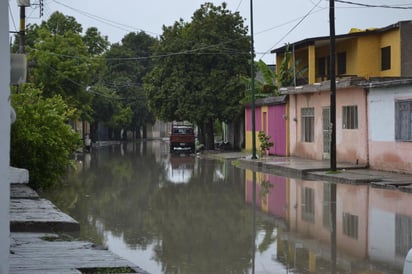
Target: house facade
[[380, 52], [309, 122], [270, 117], [390, 124], [373, 99]]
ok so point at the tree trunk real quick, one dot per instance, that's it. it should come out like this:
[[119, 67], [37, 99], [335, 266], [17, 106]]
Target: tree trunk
[[144, 132], [201, 133], [210, 137]]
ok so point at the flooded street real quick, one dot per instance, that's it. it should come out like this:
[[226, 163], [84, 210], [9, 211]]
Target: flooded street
[[184, 214]]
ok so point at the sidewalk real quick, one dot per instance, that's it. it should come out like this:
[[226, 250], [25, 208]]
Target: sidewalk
[[306, 169], [41, 240]]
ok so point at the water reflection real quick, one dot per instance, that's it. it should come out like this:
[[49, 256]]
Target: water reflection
[[335, 228], [183, 214]]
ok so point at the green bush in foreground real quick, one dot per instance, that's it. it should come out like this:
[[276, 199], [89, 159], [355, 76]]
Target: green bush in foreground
[[41, 138]]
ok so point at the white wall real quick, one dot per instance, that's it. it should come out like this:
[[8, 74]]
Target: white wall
[[381, 103], [4, 137]]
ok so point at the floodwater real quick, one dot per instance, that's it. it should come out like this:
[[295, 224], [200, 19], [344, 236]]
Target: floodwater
[[185, 214]]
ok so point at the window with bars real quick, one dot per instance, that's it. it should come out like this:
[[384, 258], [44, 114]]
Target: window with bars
[[308, 124], [308, 204], [350, 225], [403, 120], [403, 236], [350, 117]]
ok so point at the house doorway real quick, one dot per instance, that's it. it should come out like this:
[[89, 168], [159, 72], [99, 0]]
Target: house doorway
[[326, 132]]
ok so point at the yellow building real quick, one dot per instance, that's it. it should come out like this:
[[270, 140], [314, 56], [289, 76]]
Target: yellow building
[[379, 52]]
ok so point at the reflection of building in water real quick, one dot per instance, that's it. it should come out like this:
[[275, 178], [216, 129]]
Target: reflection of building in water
[[373, 226], [271, 193], [390, 214]]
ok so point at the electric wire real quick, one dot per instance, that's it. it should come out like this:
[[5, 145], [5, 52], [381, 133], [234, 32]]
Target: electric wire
[[106, 21], [91, 90], [294, 27], [402, 6]]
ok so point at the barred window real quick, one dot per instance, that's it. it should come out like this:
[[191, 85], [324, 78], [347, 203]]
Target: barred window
[[403, 120], [350, 225], [403, 236], [308, 124], [350, 117], [308, 204]]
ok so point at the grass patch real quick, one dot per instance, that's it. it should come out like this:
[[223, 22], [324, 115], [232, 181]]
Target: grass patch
[[236, 163], [333, 172], [96, 270], [58, 238]]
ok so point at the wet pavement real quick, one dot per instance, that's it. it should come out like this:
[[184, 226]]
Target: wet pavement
[[43, 239], [319, 170]]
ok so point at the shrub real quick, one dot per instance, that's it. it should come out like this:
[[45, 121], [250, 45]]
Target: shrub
[[42, 141], [265, 143]]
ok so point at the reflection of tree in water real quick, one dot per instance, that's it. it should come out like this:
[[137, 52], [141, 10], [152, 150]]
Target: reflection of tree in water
[[112, 195], [203, 226]]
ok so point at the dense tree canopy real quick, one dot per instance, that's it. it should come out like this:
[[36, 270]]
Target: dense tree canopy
[[199, 63], [63, 59], [126, 65]]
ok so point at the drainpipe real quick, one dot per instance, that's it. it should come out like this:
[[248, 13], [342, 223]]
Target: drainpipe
[[367, 125]]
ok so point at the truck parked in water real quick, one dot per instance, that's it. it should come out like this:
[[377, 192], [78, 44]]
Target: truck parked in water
[[182, 138]]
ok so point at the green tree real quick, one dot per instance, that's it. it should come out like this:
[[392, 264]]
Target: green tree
[[265, 84], [41, 139], [65, 62], [198, 70], [60, 24], [127, 63], [289, 71], [95, 42]]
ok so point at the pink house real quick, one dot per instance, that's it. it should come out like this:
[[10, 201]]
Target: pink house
[[270, 117], [309, 121]]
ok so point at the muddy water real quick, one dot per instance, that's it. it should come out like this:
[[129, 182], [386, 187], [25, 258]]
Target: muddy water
[[185, 214]]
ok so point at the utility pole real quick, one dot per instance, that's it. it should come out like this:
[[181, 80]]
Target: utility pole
[[332, 77], [22, 32], [252, 84]]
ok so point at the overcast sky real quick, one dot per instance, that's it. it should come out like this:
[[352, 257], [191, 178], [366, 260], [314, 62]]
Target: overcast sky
[[276, 22]]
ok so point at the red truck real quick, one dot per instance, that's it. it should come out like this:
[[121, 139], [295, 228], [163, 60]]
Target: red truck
[[182, 138]]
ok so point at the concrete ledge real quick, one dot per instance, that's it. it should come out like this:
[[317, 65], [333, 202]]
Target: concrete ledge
[[18, 175], [48, 253], [39, 215]]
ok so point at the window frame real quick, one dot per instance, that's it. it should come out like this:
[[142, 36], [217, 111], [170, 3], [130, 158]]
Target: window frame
[[308, 204], [308, 124], [350, 225], [386, 58], [350, 117], [403, 121]]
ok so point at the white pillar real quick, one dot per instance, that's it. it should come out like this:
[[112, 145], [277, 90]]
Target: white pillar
[[4, 137]]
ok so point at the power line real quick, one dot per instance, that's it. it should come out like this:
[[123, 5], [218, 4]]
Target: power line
[[375, 6], [105, 20], [294, 27]]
